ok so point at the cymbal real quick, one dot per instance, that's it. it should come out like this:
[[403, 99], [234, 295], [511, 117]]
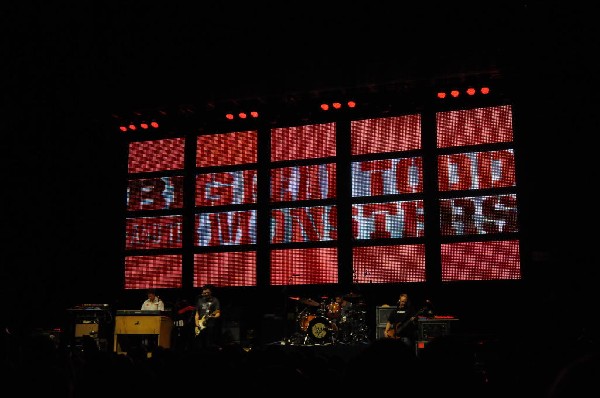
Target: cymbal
[[309, 301], [352, 295], [294, 298]]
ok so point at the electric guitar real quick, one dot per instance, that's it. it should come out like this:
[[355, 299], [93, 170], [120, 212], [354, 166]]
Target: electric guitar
[[201, 323]]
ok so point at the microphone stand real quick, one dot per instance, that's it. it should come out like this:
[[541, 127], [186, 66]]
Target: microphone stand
[[286, 339]]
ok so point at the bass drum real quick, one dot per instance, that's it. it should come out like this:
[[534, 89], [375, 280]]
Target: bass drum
[[320, 329]]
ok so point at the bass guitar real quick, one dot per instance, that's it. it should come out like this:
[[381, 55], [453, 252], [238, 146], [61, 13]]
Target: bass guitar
[[396, 331]]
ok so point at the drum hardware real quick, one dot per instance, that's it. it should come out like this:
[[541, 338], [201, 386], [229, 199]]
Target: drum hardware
[[310, 302], [352, 296], [333, 310], [326, 322]]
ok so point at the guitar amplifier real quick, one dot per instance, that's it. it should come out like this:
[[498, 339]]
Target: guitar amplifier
[[430, 328], [382, 312]]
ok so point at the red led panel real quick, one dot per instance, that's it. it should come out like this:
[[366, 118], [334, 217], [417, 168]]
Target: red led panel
[[474, 126], [389, 220], [480, 261], [478, 215], [162, 271], [311, 266], [387, 177], [226, 149], [303, 182], [303, 142], [388, 264], [227, 188], [476, 170], [161, 193], [390, 134], [304, 224], [153, 232], [225, 228], [157, 155], [225, 269]]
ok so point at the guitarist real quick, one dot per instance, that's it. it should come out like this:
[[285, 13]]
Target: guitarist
[[207, 320], [401, 323]]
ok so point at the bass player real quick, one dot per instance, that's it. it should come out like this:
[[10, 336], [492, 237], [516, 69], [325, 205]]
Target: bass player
[[401, 323]]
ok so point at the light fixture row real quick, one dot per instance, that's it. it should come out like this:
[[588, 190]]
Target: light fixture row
[[325, 107], [471, 91], [140, 126]]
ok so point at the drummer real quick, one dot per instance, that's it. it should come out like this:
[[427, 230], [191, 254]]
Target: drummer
[[338, 310]]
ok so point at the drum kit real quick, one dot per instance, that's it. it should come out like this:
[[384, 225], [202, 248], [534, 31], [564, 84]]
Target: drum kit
[[330, 321]]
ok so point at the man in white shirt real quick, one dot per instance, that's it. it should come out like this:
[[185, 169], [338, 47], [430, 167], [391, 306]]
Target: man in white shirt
[[153, 303]]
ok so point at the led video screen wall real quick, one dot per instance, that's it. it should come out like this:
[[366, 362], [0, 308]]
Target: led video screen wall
[[388, 202]]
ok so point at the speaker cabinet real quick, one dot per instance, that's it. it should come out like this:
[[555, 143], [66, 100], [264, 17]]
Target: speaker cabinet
[[380, 332], [382, 313]]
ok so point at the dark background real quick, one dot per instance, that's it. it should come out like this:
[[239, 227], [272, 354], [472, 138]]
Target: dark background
[[66, 69]]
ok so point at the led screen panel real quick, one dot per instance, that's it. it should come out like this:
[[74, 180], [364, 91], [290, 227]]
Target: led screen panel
[[159, 271], [160, 193], [389, 220], [304, 224], [225, 269], [225, 228], [226, 188], [387, 177], [311, 182], [303, 142], [476, 170], [390, 134], [474, 126], [388, 264], [478, 215], [144, 233], [310, 266], [156, 155], [226, 149], [480, 261]]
